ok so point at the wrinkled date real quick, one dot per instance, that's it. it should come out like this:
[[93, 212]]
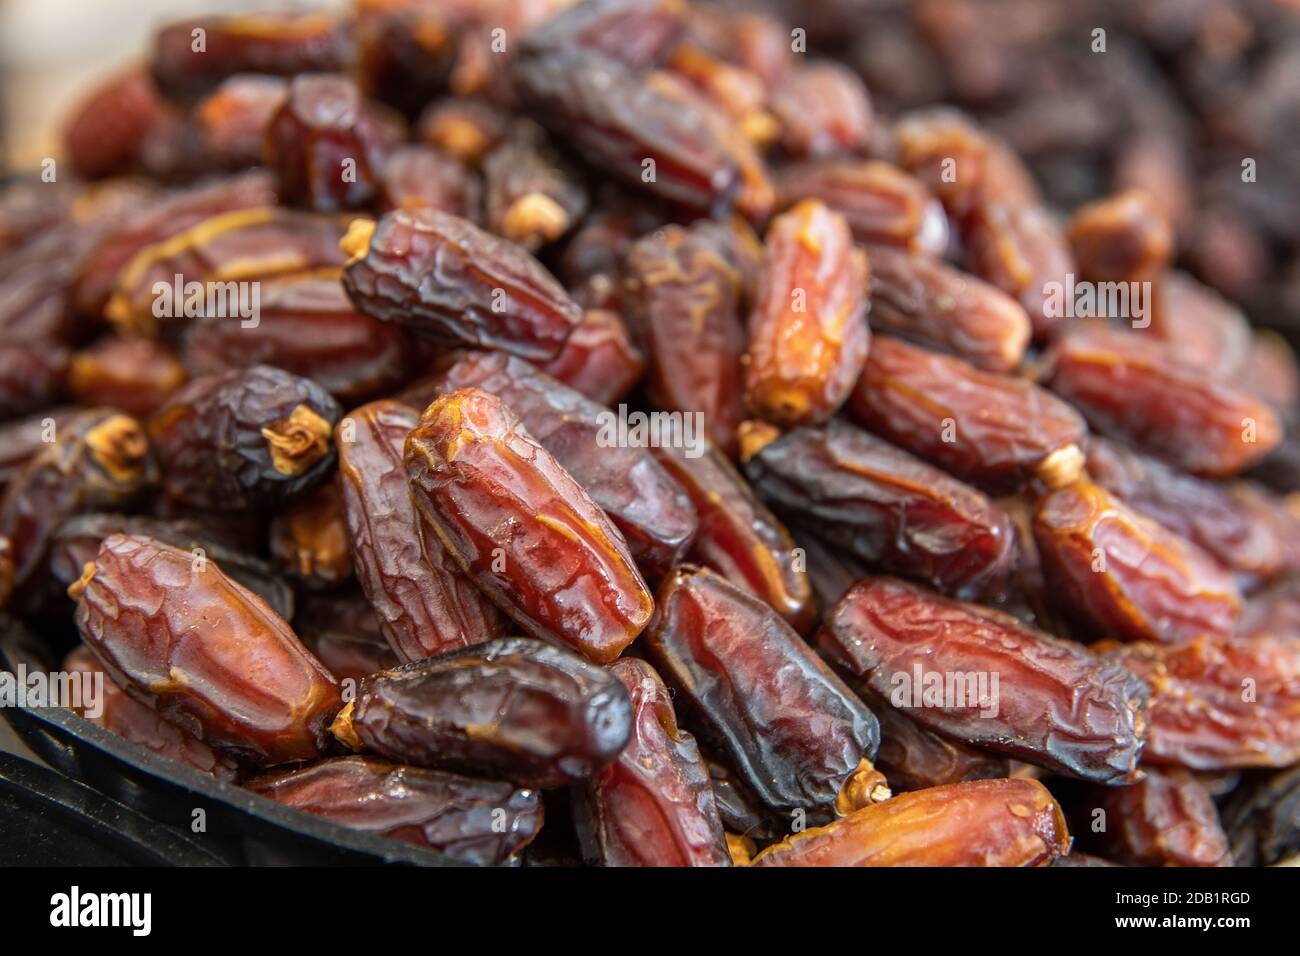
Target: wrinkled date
[[100, 459], [652, 511], [977, 823], [327, 145], [245, 439], [142, 725], [444, 277], [1022, 692], [511, 708], [1130, 387], [654, 805], [306, 326], [522, 528], [791, 728], [530, 196], [426, 605], [599, 359], [881, 203], [739, 537], [808, 335], [683, 299], [885, 507], [1125, 575], [921, 298], [244, 684], [418, 177], [479, 821], [1167, 818], [913, 758], [992, 430], [1218, 703]]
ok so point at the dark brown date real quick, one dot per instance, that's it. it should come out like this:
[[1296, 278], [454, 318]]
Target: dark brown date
[[683, 297], [599, 359], [794, 732], [882, 204], [22, 438], [1130, 387], [327, 145], [204, 652], [478, 821], [233, 118], [882, 506], [463, 127], [135, 375], [1124, 574], [523, 528], [245, 440], [983, 679], [1121, 238], [426, 605], [824, 110], [739, 537], [342, 629], [1263, 820], [1167, 818], [923, 299], [142, 725], [309, 539], [512, 708], [405, 51], [1220, 702], [419, 177], [653, 512], [101, 458], [913, 758], [530, 196], [654, 805], [306, 326], [976, 823], [444, 277], [992, 430], [808, 335], [32, 377]]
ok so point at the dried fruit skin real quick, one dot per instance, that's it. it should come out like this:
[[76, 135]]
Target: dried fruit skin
[[417, 177], [739, 537], [1203, 512], [227, 253], [808, 335], [1275, 610], [788, 725], [1120, 238], [923, 299], [882, 204], [135, 375], [76, 541], [882, 506], [483, 483], [463, 127], [280, 44], [653, 806], [239, 680], [143, 726], [1264, 820], [992, 430], [444, 277], [1201, 329], [1165, 819], [683, 300], [599, 359], [977, 823], [327, 145], [233, 118], [342, 630], [650, 509], [425, 604], [1054, 704], [245, 440], [1126, 575], [912, 758], [511, 708], [824, 110], [306, 326], [31, 377], [100, 459], [103, 134], [22, 438], [1129, 387], [530, 197], [1218, 703], [478, 821], [309, 539]]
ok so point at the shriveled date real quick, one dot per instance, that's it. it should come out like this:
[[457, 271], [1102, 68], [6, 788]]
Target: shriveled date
[[512, 708], [478, 821], [977, 823], [1167, 818], [654, 805], [885, 507], [1022, 692], [787, 724], [522, 528], [205, 652]]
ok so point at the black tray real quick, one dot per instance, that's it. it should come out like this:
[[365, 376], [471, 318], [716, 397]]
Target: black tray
[[241, 827]]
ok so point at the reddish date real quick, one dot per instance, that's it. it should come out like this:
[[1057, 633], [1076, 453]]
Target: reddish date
[[135, 375], [913, 758], [1167, 818], [599, 359]]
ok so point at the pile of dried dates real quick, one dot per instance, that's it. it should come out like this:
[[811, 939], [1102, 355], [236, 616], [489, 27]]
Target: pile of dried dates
[[449, 415]]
